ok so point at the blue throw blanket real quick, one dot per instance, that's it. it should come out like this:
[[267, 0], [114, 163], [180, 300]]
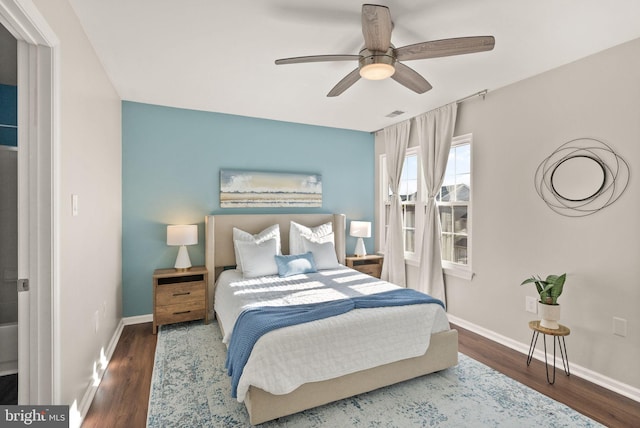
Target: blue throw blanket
[[253, 323]]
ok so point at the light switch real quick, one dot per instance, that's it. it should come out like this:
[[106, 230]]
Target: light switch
[[620, 327], [74, 205]]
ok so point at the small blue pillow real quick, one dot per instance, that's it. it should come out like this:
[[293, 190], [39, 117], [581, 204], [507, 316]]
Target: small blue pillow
[[295, 264]]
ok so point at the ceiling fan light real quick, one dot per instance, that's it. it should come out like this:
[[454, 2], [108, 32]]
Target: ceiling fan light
[[377, 71]]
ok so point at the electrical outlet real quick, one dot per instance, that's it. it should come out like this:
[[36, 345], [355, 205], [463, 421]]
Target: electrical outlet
[[620, 327], [531, 304]]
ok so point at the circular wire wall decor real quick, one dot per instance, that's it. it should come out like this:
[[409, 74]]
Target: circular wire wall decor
[[581, 177]]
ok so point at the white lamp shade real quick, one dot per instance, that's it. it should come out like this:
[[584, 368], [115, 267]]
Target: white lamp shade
[[360, 229], [182, 234]]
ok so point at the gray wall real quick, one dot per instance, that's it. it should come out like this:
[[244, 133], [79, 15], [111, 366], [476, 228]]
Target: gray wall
[[90, 166], [8, 58], [516, 235]]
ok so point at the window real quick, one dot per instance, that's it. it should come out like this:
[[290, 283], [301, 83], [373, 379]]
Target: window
[[454, 205], [409, 196]]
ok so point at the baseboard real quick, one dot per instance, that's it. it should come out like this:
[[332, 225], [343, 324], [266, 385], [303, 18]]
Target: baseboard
[[140, 319], [100, 368], [101, 363], [579, 371]]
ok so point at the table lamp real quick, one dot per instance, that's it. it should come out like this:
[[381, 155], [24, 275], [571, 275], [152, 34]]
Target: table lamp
[[182, 235], [360, 229]]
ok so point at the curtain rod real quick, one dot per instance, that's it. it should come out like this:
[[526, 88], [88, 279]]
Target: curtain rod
[[482, 94]]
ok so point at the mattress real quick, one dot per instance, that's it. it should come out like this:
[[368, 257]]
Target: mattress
[[284, 359]]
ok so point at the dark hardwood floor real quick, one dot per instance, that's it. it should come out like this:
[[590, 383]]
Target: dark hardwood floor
[[9, 389], [600, 404], [123, 395]]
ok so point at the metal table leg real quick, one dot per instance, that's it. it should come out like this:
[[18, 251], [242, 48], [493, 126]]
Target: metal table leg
[[532, 347], [557, 334], [546, 364], [563, 355]]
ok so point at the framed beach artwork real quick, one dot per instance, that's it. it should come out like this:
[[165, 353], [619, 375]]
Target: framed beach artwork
[[242, 189]]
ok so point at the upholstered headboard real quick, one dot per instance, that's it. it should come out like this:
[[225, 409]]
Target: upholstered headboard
[[219, 236]]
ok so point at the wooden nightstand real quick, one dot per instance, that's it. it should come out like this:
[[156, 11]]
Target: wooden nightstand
[[179, 296], [371, 264]]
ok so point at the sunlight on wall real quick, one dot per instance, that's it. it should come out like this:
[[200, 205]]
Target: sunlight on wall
[[104, 361], [75, 419], [95, 376], [78, 413]]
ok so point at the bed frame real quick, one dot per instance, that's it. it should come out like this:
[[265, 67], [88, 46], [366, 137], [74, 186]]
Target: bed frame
[[263, 406]]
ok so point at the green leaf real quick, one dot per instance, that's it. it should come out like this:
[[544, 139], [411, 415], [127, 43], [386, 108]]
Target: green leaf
[[549, 289], [558, 285]]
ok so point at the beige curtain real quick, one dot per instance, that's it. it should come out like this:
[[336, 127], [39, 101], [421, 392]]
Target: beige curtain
[[435, 130], [396, 139]]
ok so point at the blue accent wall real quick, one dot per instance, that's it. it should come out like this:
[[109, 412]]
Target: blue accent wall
[[171, 161]]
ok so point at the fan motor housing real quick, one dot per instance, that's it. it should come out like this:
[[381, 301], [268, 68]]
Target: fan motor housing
[[368, 57]]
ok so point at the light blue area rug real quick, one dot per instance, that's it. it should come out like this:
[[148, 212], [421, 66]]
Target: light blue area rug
[[190, 388]]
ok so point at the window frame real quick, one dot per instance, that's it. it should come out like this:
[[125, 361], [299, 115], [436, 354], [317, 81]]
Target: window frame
[[410, 257], [413, 258], [464, 271]]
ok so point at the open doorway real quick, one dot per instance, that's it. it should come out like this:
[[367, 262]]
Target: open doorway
[[37, 130], [8, 218]]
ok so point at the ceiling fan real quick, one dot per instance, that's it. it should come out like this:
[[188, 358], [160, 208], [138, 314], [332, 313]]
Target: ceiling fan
[[379, 59]]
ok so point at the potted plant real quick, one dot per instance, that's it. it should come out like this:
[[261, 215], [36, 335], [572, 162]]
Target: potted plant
[[549, 290]]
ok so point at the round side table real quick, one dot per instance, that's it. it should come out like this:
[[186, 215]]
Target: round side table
[[558, 335]]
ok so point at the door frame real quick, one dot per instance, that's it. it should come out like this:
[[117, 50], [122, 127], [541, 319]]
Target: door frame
[[38, 196]]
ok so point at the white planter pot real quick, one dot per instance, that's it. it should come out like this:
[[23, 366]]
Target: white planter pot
[[549, 316]]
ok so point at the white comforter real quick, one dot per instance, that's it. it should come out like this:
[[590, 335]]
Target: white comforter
[[286, 358]]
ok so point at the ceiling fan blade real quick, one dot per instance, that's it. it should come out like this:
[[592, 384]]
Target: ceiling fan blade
[[317, 58], [376, 27], [410, 78], [345, 83], [445, 47]]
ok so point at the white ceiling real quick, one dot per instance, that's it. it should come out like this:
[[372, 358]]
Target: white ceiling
[[217, 55]]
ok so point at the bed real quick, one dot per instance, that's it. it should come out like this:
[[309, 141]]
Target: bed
[[266, 400]]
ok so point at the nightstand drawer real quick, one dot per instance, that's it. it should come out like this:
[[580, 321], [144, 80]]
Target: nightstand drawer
[[369, 264], [179, 313], [180, 293], [371, 269]]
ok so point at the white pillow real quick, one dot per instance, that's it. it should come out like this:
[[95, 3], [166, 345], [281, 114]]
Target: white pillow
[[324, 253], [322, 233], [271, 232], [257, 259]]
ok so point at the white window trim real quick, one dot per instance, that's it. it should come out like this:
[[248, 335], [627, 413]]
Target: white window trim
[[410, 258], [455, 269], [413, 259]]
